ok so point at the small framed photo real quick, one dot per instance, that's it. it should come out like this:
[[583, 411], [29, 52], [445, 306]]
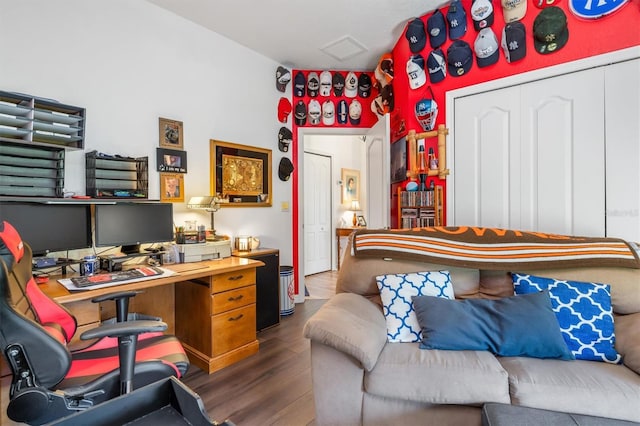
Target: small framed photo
[[361, 221], [172, 187], [171, 160], [171, 134]]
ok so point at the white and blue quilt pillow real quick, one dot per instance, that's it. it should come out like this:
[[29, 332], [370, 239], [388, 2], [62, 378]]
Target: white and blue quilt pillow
[[396, 292], [584, 314]]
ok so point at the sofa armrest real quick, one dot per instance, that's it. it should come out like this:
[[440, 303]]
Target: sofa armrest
[[352, 324], [627, 329]]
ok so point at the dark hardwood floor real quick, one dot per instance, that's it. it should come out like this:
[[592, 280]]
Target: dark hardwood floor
[[272, 387]]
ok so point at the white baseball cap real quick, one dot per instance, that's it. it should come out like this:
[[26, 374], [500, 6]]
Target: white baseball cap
[[351, 85], [328, 113], [355, 111], [415, 71], [314, 112], [513, 10], [486, 48], [325, 83]]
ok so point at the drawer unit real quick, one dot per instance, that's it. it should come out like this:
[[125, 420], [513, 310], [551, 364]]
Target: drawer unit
[[231, 280], [233, 329], [232, 299]]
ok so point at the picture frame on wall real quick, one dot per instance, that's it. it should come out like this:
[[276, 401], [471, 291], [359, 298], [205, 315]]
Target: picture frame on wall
[[350, 185], [171, 134], [171, 160], [172, 187], [241, 174], [399, 160]]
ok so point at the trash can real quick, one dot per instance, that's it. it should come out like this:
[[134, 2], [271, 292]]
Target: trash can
[[287, 291]]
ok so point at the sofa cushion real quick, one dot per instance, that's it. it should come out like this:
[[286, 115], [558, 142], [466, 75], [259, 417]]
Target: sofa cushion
[[404, 371], [584, 314], [396, 292], [628, 340], [582, 387], [511, 326]]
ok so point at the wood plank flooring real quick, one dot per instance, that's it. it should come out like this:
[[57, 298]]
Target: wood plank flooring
[[272, 387]]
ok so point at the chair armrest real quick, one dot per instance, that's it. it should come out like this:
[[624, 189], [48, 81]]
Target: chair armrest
[[627, 329], [352, 324], [122, 329], [121, 298]]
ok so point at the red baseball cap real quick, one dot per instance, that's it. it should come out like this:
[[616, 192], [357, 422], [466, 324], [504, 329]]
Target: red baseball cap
[[284, 109]]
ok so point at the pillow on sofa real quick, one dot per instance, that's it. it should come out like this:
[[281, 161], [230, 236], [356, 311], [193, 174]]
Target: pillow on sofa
[[396, 291], [584, 313], [501, 326]]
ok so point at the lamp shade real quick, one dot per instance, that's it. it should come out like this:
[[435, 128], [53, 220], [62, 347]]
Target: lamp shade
[[355, 205]]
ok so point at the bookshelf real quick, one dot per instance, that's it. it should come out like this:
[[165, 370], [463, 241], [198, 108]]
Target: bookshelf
[[419, 209]]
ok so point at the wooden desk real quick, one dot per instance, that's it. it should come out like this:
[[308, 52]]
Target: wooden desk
[[210, 306], [343, 232]]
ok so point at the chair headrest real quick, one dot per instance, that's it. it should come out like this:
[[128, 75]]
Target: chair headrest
[[11, 246]]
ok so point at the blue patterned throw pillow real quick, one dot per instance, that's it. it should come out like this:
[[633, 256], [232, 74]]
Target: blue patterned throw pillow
[[583, 311], [396, 292]]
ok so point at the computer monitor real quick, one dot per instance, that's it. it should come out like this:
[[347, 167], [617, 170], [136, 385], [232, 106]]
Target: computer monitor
[[131, 224], [50, 227]]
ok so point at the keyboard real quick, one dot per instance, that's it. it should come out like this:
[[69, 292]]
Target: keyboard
[[116, 276]]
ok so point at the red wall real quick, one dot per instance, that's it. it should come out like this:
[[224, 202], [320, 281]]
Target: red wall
[[586, 38]]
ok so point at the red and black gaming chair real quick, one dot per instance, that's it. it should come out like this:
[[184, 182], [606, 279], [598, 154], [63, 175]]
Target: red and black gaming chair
[[51, 380]]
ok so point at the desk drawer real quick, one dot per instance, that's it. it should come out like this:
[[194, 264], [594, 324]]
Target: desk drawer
[[232, 299], [231, 280], [233, 329]]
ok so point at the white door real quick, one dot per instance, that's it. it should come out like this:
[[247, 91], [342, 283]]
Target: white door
[[378, 175], [317, 213], [531, 156]]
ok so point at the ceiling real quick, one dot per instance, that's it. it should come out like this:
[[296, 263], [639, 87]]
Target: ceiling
[[302, 34]]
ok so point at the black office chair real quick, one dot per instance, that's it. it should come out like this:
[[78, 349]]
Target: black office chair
[[51, 380]]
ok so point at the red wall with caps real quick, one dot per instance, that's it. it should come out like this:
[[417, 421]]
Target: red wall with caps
[[587, 38]]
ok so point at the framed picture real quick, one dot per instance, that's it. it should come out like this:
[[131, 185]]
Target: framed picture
[[171, 160], [241, 174], [172, 187], [399, 160], [361, 221], [170, 134], [350, 185]]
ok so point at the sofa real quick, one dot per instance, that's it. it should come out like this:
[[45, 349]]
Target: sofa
[[362, 375]]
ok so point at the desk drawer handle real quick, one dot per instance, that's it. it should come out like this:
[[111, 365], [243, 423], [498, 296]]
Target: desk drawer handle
[[236, 318], [236, 278], [233, 299]]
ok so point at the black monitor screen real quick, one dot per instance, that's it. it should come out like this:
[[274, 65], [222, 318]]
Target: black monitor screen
[[132, 224], [50, 227]]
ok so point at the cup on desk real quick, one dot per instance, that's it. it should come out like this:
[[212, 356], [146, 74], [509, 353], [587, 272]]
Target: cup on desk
[[89, 265]]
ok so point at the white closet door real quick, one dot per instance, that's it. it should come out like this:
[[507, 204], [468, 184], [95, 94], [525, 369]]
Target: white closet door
[[486, 189], [622, 100], [562, 155]]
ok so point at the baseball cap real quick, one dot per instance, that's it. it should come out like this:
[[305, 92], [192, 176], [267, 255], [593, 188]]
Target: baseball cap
[[299, 84], [325, 83], [285, 168], [415, 35], [338, 83], [343, 112], [459, 58], [284, 109], [387, 96], [426, 111], [355, 111], [300, 113], [384, 69], [313, 84], [351, 85], [284, 139], [486, 48], [482, 14], [315, 112], [437, 29], [541, 4], [513, 10], [283, 77], [457, 19], [514, 41], [364, 85], [437, 66], [377, 106], [415, 71], [550, 32], [328, 113]]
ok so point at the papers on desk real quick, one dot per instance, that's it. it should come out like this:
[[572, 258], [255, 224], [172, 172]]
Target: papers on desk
[[69, 285]]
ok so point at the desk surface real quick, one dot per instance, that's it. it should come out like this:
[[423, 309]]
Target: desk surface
[[184, 271]]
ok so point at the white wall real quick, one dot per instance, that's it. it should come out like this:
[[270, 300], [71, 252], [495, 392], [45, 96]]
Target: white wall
[[129, 63]]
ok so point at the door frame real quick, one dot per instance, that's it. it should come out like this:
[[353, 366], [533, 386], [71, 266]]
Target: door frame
[[548, 72]]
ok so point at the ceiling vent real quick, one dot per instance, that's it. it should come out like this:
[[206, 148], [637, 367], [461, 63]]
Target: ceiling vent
[[344, 48]]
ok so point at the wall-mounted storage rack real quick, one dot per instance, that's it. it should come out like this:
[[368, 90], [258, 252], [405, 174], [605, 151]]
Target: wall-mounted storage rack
[[113, 176]]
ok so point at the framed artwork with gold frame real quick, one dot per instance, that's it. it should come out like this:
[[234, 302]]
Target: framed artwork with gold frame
[[350, 185], [172, 187], [171, 134], [241, 174]]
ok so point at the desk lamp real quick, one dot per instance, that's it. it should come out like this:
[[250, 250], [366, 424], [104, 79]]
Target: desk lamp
[[210, 203], [355, 206]]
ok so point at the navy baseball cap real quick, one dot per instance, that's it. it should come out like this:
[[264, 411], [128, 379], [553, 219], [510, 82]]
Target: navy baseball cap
[[437, 29], [338, 83], [313, 84], [300, 113], [514, 41], [364, 85], [415, 35], [457, 19], [459, 58], [299, 84], [343, 112], [436, 66]]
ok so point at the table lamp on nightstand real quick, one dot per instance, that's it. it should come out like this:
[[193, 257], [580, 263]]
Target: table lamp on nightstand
[[355, 206]]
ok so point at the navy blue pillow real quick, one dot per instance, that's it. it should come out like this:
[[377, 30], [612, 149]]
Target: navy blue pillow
[[522, 325]]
